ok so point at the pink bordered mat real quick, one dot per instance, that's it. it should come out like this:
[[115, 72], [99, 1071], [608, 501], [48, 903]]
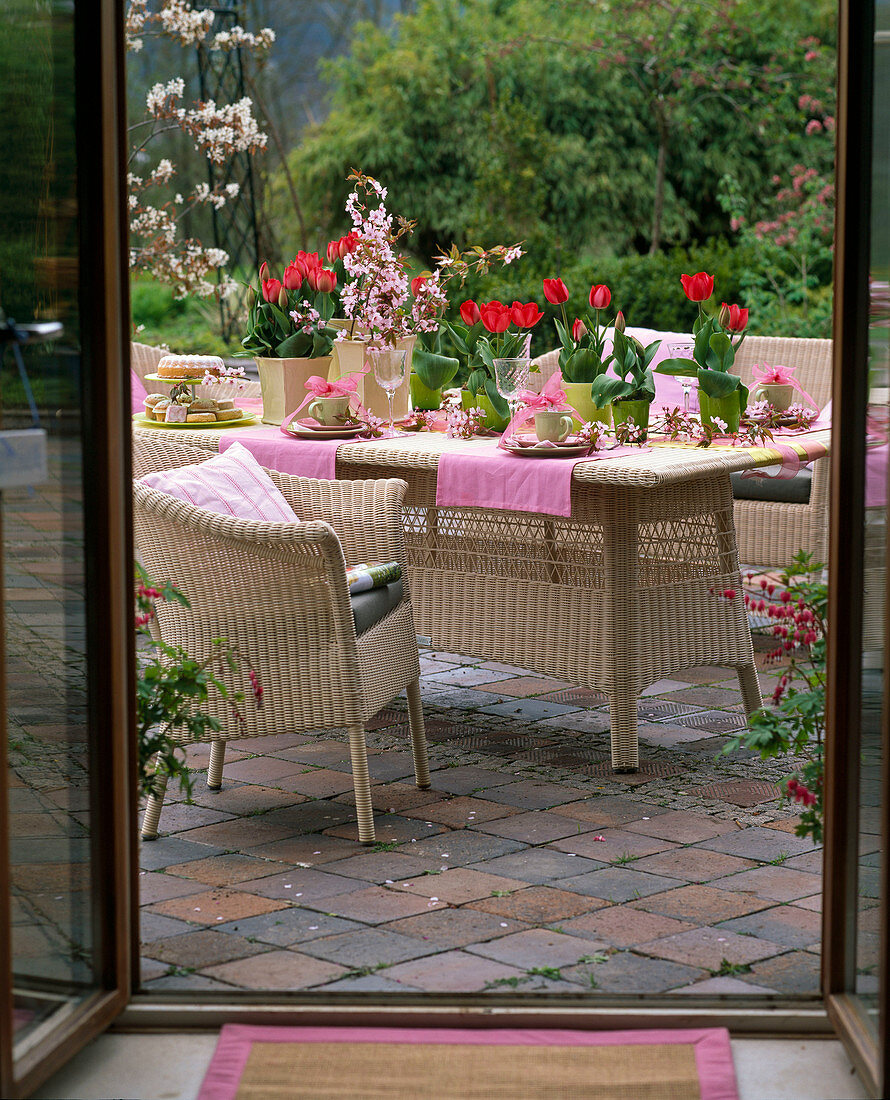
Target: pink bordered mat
[[249, 1062]]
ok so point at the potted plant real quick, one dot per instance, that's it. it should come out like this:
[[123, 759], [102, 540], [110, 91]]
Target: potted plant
[[288, 332], [722, 397], [582, 358], [632, 392]]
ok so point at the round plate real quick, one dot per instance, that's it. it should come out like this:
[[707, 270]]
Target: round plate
[[142, 420], [559, 450], [333, 431], [173, 381]]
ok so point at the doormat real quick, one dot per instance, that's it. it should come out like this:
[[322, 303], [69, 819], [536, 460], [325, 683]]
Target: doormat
[[366, 1063]]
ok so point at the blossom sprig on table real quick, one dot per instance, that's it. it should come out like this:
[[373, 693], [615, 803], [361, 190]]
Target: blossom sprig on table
[[630, 434], [592, 432], [675, 424], [796, 417], [464, 423], [229, 375]]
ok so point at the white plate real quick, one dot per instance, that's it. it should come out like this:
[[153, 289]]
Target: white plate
[[560, 450], [327, 432]]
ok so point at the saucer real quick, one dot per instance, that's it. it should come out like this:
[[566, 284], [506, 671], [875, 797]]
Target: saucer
[[305, 429]]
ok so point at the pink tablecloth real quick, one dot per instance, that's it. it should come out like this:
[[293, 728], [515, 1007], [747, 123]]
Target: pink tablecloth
[[275, 451], [479, 475]]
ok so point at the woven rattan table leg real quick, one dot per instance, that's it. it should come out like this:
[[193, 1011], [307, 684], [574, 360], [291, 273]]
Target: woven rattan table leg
[[418, 736], [620, 544], [215, 768], [358, 751], [750, 685]]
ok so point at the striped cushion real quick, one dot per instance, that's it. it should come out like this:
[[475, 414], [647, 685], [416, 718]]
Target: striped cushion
[[232, 484]]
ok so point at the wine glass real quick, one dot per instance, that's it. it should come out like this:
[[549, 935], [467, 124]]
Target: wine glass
[[389, 370], [510, 377]]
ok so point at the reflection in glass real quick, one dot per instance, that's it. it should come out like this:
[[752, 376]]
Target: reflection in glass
[[42, 528], [869, 915]]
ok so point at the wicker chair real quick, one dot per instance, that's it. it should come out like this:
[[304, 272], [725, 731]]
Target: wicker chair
[[278, 592], [770, 532]]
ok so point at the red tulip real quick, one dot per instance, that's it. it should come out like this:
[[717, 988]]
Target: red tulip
[[349, 243], [325, 280], [525, 316], [698, 288], [417, 282], [579, 330], [306, 262], [469, 312], [555, 291], [736, 320], [271, 289], [619, 321], [292, 277], [600, 296], [333, 251], [495, 316], [283, 302], [264, 271]]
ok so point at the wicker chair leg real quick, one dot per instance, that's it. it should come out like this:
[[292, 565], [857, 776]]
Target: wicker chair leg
[[625, 745], [358, 751], [750, 685], [215, 768], [418, 737], [153, 807]]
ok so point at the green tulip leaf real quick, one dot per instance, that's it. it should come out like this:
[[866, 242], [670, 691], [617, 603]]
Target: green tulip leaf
[[584, 365], [498, 403], [680, 367], [721, 347], [717, 383], [476, 381], [605, 389], [435, 371], [297, 346]]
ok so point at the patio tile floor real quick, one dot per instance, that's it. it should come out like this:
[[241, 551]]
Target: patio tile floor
[[494, 879]]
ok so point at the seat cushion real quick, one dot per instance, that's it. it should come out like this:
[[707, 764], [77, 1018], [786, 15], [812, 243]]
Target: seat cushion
[[232, 484], [368, 608], [791, 490]]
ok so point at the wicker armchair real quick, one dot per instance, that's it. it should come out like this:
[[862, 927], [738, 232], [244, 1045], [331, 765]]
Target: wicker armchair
[[278, 592], [770, 532]]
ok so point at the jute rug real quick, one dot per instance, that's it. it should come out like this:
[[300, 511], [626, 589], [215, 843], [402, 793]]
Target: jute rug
[[282, 1063]]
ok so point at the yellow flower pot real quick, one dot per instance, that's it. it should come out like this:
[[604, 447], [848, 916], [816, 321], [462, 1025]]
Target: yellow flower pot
[[349, 357], [283, 384]]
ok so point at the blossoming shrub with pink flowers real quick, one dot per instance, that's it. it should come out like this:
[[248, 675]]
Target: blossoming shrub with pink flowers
[[793, 721], [172, 688]]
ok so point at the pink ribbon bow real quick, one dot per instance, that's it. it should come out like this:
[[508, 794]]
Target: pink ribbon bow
[[552, 396], [781, 376], [340, 387]]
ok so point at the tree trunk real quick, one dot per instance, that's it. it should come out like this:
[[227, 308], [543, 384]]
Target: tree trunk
[[660, 172]]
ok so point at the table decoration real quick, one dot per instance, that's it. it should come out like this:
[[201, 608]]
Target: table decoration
[[582, 356], [721, 394], [777, 385], [632, 392]]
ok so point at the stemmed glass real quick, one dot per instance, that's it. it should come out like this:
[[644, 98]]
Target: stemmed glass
[[389, 370], [511, 377]]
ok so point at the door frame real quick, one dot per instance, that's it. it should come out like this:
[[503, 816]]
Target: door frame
[[100, 142]]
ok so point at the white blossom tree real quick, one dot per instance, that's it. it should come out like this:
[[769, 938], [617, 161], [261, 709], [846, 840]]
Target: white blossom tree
[[158, 245]]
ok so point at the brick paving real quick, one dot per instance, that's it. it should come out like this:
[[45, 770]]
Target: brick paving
[[524, 867]]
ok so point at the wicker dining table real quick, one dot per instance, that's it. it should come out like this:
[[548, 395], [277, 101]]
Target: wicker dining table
[[634, 585]]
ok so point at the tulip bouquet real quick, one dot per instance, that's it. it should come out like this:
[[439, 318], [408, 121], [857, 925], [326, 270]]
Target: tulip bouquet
[[714, 352], [631, 359], [288, 317], [581, 358]]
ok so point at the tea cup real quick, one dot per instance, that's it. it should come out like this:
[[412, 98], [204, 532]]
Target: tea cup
[[552, 426], [330, 411], [779, 394]]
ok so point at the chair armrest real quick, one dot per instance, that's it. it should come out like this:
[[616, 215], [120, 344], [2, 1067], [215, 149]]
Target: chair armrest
[[366, 515]]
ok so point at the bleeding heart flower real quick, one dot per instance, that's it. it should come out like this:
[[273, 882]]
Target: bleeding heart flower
[[579, 330], [495, 316], [555, 291], [417, 282], [698, 287], [292, 277], [736, 318], [325, 280], [271, 289], [600, 296], [525, 315], [469, 312]]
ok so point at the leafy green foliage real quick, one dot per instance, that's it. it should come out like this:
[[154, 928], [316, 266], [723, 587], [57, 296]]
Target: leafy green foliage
[[634, 381]]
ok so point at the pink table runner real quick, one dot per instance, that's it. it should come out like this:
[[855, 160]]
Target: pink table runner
[[479, 475], [302, 457]]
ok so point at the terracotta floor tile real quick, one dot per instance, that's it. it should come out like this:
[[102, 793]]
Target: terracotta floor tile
[[774, 883], [204, 948], [615, 844], [300, 885], [369, 947], [708, 947], [391, 829], [319, 754], [452, 972], [152, 926], [617, 884], [277, 970], [538, 905], [796, 972], [246, 798], [625, 972], [788, 925], [263, 769], [225, 870], [609, 810], [754, 842], [155, 887], [320, 783], [702, 904], [624, 926], [469, 779], [447, 928], [238, 834], [682, 826], [531, 795], [400, 798], [722, 986], [216, 906], [461, 884], [311, 850], [456, 849], [288, 927], [176, 817], [381, 867], [539, 866], [525, 686], [813, 904], [538, 827], [692, 864], [461, 812], [538, 947], [375, 905]]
